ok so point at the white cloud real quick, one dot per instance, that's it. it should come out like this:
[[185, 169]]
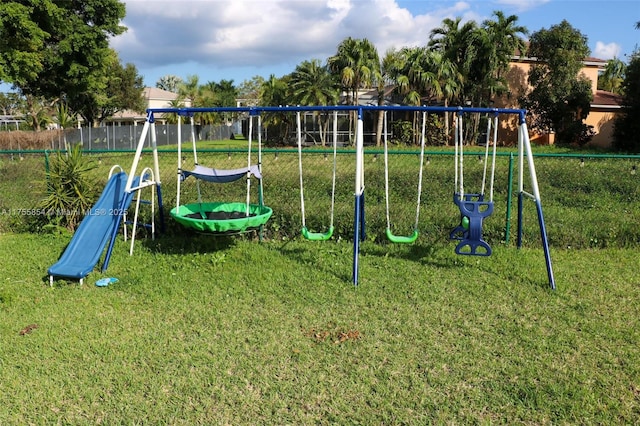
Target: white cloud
[[225, 34], [607, 50]]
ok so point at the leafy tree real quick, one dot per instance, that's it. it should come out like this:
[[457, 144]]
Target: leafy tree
[[626, 133], [560, 97], [170, 83], [249, 90], [22, 41], [226, 93], [58, 49], [11, 104], [125, 88], [38, 112], [114, 88]]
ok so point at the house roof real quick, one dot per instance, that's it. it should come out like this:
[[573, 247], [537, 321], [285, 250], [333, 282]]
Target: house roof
[[149, 94], [520, 56], [370, 96], [600, 63], [603, 99], [127, 115], [158, 94]]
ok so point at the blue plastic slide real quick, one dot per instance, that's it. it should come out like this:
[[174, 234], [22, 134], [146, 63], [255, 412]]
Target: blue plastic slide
[[89, 240]]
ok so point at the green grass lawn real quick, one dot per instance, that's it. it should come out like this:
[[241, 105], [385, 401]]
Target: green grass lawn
[[232, 331], [203, 330]]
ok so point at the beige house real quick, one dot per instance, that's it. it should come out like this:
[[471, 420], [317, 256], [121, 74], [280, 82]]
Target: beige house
[[603, 107], [155, 98]]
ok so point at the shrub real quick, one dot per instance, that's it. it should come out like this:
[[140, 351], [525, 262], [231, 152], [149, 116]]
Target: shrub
[[402, 132], [70, 190]]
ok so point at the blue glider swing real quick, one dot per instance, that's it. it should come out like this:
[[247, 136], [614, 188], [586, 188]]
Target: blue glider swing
[[474, 208]]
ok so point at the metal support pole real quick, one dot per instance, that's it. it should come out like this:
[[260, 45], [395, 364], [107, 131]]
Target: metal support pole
[[358, 232], [507, 227]]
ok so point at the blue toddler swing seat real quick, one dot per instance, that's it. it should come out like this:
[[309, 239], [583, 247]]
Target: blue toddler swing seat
[[473, 210], [473, 206]]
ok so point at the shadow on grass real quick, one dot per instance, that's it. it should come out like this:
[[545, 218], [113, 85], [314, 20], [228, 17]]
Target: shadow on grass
[[336, 259], [326, 257], [424, 253], [190, 242], [506, 263]]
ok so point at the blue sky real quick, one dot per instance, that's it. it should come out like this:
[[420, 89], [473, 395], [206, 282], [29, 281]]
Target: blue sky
[[238, 39]]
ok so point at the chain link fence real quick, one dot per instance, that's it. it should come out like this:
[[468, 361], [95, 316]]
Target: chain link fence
[[590, 200], [114, 138]]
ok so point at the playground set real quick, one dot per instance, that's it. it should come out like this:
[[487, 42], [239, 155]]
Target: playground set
[[101, 225]]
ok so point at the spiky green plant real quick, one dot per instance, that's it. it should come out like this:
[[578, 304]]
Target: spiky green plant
[[70, 189]]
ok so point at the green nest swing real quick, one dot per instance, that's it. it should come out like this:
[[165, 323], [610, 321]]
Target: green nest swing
[[221, 217]]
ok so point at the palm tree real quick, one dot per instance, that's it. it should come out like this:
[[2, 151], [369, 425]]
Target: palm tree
[[274, 91], [481, 57], [613, 76], [419, 75], [172, 118], [389, 66], [457, 44], [423, 76], [357, 64], [498, 42], [313, 84], [505, 38], [207, 97], [189, 89]]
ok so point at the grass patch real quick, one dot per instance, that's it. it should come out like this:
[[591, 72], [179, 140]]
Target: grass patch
[[229, 331], [234, 332]]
